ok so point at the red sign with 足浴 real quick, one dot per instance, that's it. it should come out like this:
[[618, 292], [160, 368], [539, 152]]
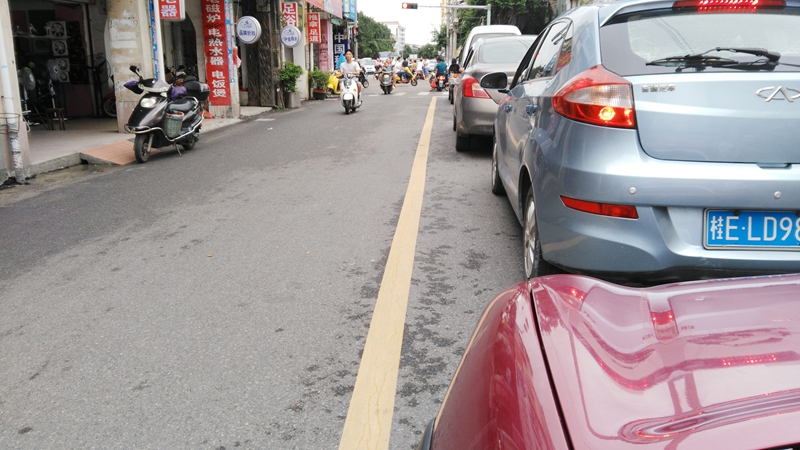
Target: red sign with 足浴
[[216, 49], [171, 10], [289, 10], [314, 34]]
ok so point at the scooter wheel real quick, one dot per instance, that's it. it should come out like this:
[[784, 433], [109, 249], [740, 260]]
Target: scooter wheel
[[142, 146], [365, 83], [347, 107], [414, 82]]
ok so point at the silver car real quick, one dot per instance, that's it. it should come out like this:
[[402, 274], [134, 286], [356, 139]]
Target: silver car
[[474, 108], [656, 141]]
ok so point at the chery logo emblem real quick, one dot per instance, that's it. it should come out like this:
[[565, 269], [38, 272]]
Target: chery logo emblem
[[778, 93]]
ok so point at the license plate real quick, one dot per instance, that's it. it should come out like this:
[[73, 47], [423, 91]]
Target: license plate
[[752, 229]]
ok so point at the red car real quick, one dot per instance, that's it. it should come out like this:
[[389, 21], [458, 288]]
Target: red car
[[571, 362]]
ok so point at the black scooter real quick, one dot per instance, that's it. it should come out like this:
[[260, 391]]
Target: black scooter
[[166, 113]]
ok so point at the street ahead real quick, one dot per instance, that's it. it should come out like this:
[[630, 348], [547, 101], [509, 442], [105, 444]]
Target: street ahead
[[223, 299]]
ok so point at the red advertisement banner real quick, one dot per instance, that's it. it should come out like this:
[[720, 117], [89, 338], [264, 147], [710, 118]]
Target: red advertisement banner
[[171, 10], [215, 44], [289, 10], [314, 33]]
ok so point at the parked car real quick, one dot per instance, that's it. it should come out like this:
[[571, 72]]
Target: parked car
[[571, 362], [485, 31], [474, 108], [651, 143]]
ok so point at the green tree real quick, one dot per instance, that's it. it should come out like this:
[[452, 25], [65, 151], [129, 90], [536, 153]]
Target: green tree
[[428, 51], [373, 37], [530, 16], [440, 37]]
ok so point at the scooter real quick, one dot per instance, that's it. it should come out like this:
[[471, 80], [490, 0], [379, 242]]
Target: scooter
[[362, 77], [333, 83], [440, 83], [166, 113], [349, 95], [451, 87], [386, 81], [407, 77]]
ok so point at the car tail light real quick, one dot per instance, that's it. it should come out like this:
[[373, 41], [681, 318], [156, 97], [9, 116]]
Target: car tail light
[[603, 209], [717, 6], [471, 88], [597, 96]]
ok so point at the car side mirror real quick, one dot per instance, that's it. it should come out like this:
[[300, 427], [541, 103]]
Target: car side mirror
[[495, 80]]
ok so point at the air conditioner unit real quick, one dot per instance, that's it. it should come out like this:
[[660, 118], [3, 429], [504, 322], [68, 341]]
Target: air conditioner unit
[[56, 29], [33, 46]]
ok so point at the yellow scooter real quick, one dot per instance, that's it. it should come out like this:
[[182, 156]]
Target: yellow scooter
[[333, 83]]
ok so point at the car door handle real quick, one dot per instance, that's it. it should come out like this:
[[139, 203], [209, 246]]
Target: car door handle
[[508, 108], [531, 108]]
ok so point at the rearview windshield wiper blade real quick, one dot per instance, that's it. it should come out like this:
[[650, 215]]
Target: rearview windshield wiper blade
[[700, 59]]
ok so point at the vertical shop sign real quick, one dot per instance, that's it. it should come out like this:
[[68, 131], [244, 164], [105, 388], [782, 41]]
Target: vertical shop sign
[[349, 9], [340, 45], [324, 51], [314, 34], [171, 10], [289, 10], [229, 38], [215, 43], [154, 38]]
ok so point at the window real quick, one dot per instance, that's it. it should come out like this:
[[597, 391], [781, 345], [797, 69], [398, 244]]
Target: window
[[546, 60]]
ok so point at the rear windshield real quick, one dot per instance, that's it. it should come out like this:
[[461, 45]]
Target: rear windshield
[[503, 52], [369, 62], [629, 42]]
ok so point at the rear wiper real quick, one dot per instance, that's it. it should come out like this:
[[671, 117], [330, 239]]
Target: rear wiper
[[700, 59]]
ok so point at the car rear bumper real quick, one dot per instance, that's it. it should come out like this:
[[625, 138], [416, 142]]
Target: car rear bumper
[[666, 241], [477, 116]]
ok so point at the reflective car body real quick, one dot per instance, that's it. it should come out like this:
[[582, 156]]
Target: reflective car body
[[474, 108], [572, 362], [697, 158], [368, 65]]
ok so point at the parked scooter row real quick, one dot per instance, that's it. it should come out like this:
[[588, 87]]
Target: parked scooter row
[[167, 114]]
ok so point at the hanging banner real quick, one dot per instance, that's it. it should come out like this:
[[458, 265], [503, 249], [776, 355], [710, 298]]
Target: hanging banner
[[290, 14], [314, 34], [215, 44], [340, 45], [171, 10], [349, 10], [324, 51]]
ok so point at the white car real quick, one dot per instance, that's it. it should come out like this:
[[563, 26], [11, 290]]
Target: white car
[[368, 65]]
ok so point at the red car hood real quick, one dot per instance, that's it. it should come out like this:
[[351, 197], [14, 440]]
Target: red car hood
[[711, 364]]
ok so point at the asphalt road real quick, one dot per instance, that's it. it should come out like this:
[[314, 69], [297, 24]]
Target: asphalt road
[[222, 299]]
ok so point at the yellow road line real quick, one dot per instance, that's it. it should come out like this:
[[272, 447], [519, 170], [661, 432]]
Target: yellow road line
[[369, 418]]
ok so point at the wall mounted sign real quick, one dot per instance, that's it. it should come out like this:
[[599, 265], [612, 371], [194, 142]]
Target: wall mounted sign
[[314, 35], [216, 49], [291, 36], [248, 30], [290, 14], [172, 10]]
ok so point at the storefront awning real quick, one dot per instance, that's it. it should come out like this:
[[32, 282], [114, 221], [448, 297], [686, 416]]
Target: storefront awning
[[334, 7]]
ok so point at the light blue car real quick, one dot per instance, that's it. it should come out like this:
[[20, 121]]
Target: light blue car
[[656, 141]]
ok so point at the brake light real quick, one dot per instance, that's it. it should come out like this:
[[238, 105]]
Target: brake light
[[597, 96], [716, 6], [602, 209], [471, 88]]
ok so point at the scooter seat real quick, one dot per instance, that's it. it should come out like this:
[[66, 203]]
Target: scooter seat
[[183, 105]]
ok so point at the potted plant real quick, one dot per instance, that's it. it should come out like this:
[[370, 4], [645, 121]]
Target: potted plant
[[288, 76], [319, 79]]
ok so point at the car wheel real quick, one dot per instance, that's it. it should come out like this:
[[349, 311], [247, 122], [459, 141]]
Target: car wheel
[[454, 123], [450, 96], [497, 184], [535, 265], [462, 143]]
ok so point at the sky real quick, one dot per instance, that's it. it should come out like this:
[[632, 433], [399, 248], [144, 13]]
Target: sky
[[419, 23]]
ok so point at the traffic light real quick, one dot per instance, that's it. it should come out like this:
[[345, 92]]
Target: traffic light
[[409, 5]]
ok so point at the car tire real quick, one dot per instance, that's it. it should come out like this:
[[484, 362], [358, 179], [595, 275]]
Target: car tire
[[497, 183], [535, 265], [450, 96], [454, 123], [463, 143]]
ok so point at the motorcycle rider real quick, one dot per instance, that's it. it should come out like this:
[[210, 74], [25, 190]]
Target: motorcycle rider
[[351, 67], [441, 69], [398, 67], [388, 66]]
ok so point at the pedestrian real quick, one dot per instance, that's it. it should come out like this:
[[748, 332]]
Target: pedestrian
[[424, 67]]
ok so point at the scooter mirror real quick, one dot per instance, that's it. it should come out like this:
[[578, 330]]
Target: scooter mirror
[[134, 69]]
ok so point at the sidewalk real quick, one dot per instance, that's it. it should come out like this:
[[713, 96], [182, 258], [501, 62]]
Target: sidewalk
[[96, 141]]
